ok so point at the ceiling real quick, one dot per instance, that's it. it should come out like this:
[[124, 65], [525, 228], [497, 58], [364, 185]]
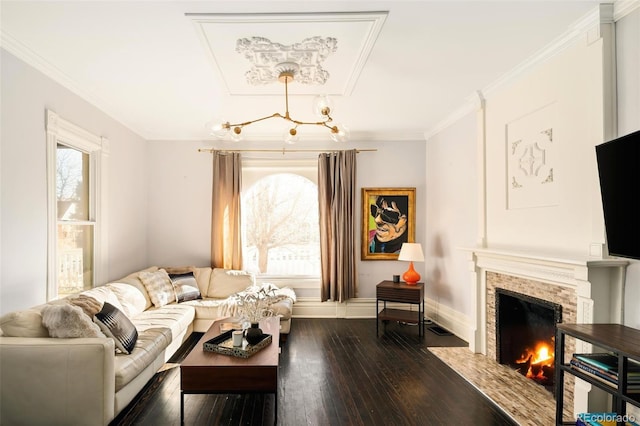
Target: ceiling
[[165, 68]]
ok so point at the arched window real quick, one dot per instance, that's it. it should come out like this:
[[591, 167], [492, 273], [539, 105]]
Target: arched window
[[280, 224]]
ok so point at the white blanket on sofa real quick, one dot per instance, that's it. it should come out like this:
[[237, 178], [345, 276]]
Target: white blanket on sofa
[[229, 307]]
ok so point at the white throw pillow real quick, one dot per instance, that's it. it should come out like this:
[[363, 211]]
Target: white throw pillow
[[158, 285], [67, 321]]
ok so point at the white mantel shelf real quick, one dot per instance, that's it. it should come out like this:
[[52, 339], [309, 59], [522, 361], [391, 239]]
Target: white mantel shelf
[[560, 269]]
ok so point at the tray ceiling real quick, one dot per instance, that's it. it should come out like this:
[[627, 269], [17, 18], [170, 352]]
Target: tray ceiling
[[242, 45]]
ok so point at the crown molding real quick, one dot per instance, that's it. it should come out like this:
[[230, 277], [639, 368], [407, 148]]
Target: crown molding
[[622, 8], [24, 53], [573, 33]]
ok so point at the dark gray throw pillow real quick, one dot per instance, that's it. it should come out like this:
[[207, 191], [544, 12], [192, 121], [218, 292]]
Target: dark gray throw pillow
[[116, 325], [185, 286]]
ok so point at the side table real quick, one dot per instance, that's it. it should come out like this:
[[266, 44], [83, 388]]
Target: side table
[[388, 291]]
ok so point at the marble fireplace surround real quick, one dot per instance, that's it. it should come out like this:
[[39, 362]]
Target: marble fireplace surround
[[590, 290]]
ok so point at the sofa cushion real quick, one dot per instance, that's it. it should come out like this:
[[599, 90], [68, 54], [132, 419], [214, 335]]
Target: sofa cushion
[[207, 308], [159, 287], [203, 276], [27, 323], [130, 297], [185, 287], [149, 345], [114, 323], [176, 318], [103, 294], [225, 282], [69, 321]]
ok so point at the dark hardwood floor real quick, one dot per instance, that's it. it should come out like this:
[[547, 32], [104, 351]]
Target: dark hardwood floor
[[333, 372]]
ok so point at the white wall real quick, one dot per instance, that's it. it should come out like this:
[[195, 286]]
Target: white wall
[[26, 93], [179, 196], [628, 81], [572, 81], [180, 200], [452, 214]]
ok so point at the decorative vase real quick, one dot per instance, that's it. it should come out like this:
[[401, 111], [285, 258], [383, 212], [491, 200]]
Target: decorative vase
[[254, 334]]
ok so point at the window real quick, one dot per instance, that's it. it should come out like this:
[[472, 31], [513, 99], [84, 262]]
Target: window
[[75, 161], [75, 226], [280, 222]]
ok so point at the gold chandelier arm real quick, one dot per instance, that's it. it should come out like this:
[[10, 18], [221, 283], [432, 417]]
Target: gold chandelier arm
[[285, 117], [246, 123], [286, 74]]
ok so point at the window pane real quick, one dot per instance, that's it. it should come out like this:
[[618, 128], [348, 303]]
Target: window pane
[[75, 258], [281, 226], [72, 183]]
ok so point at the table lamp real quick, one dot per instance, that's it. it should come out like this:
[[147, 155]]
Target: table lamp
[[411, 252]]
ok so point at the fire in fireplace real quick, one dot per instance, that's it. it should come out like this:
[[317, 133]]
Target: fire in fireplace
[[525, 330]]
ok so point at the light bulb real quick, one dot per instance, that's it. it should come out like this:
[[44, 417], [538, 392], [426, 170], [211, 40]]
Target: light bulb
[[217, 127], [322, 106], [291, 136], [236, 134], [339, 133]]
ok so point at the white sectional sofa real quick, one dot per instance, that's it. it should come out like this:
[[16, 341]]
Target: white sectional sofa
[[88, 380]]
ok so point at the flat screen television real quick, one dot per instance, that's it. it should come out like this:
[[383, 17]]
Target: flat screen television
[[619, 172]]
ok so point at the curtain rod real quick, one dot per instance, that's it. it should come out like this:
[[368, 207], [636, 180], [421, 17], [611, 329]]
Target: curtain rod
[[283, 150]]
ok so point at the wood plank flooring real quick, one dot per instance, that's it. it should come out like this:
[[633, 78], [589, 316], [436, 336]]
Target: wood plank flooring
[[334, 372]]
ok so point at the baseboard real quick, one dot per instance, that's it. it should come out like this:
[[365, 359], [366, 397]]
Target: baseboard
[[353, 308], [454, 321], [446, 317]]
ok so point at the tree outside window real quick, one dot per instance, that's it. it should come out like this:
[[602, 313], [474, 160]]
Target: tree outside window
[[281, 226]]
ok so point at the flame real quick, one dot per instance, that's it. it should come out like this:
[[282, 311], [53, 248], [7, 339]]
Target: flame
[[541, 356]]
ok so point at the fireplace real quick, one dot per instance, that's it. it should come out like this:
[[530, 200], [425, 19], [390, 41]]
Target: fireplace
[[525, 328], [588, 289]]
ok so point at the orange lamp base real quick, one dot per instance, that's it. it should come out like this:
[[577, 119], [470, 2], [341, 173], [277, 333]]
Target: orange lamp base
[[411, 277]]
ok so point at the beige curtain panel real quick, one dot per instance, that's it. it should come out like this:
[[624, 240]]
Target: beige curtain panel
[[226, 243], [337, 204]]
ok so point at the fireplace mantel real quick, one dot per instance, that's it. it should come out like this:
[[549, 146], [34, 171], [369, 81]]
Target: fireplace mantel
[[598, 283]]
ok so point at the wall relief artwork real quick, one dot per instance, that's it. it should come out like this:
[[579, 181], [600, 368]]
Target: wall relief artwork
[[531, 152]]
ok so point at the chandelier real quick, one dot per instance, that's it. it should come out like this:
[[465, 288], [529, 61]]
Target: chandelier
[[322, 107]]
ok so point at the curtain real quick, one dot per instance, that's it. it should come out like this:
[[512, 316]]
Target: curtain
[[226, 243], [337, 204]]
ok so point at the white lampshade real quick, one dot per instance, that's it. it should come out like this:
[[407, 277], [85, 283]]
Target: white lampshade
[[411, 252]]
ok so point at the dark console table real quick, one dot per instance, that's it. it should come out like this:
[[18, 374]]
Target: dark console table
[[388, 291], [618, 339]]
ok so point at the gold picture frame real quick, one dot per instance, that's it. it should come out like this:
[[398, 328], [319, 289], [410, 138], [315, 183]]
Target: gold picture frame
[[388, 220]]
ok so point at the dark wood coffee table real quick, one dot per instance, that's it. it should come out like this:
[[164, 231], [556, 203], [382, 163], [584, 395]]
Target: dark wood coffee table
[[204, 372]]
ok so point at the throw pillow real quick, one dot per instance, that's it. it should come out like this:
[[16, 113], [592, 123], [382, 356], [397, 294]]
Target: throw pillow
[[67, 321], [185, 286], [117, 326], [158, 285], [88, 304]]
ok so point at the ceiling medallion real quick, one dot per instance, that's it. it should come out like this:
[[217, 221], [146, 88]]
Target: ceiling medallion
[[275, 62], [265, 56]]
